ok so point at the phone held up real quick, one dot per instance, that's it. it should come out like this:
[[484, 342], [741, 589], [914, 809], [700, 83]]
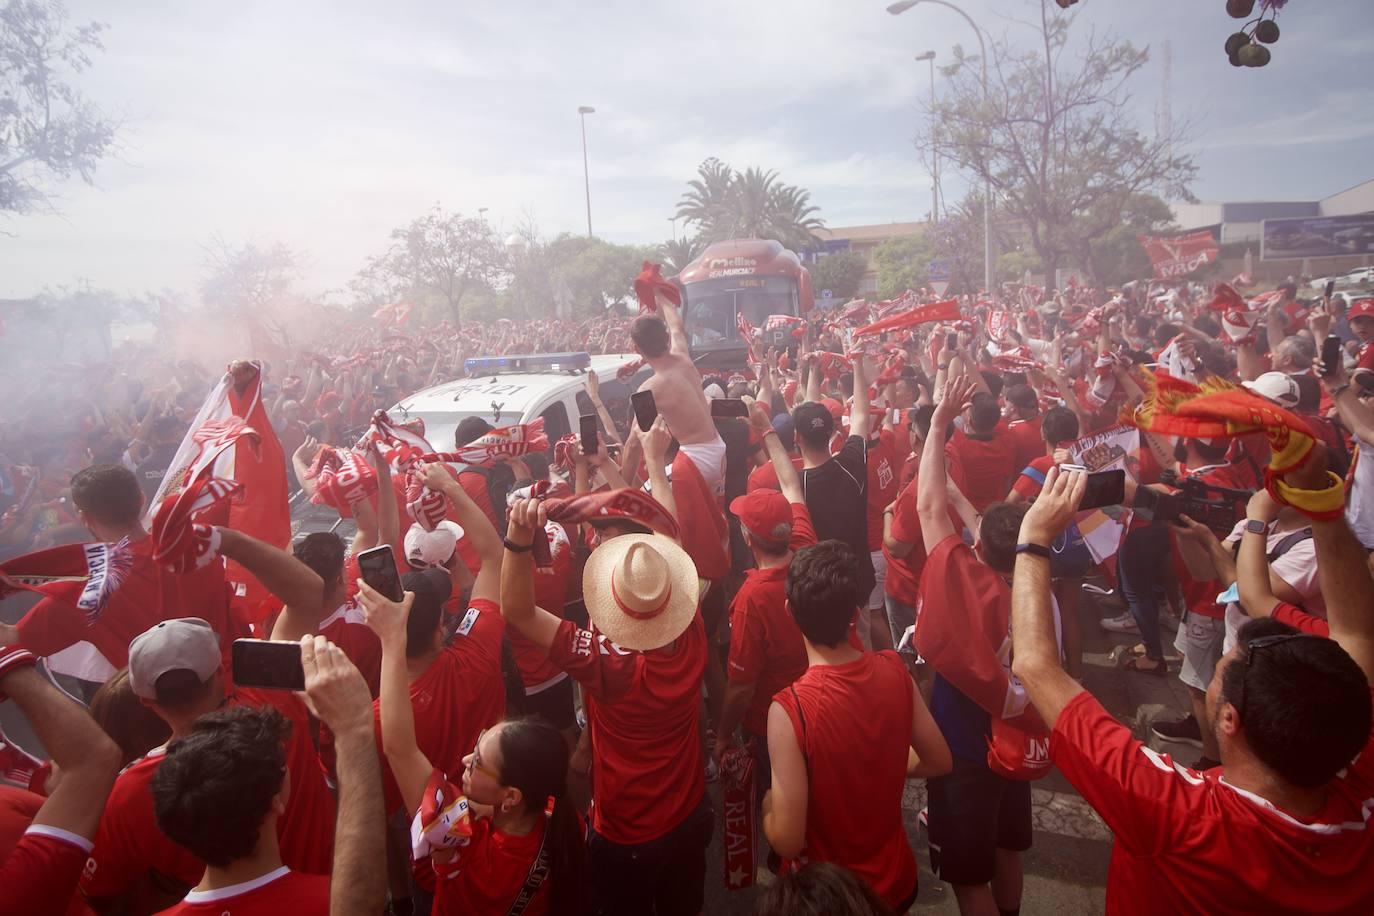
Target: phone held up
[[378, 569], [646, 411], [1105, 488], [268, 664], [587, 428], [729, 407]]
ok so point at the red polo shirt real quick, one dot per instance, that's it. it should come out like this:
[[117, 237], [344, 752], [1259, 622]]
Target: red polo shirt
[[988, 466]]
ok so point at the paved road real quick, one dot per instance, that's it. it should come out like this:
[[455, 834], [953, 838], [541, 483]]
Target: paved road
[[1066, 868]]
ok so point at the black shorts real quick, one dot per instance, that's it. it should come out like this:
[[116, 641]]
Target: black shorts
[[666, 876], [554, 703], [973, 813]]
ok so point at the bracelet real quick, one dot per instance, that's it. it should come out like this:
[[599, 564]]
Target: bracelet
[[517, 548], [1035, 550]]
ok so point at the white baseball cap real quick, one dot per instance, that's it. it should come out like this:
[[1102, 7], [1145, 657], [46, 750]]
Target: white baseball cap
[[432, 548], [1278, 387], [181, 644]]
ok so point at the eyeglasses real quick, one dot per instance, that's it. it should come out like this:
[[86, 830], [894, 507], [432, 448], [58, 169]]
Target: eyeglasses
[[475, 764], [1252, 647]]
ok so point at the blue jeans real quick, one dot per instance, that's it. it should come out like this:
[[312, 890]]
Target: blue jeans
[[1140, 566]]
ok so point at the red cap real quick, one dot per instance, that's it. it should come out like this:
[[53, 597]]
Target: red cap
[[1360, 308], [835, 407], [766, 514]]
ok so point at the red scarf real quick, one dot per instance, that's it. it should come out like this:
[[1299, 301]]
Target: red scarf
[[184, 535], [650, 284]]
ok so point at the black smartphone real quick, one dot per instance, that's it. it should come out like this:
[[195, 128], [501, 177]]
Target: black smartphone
[[1105, 488], [729, 407], [1330, 287], [587, 424], [378, 569], [1331, 353], [952, 340], [268, 664], [646, 411]]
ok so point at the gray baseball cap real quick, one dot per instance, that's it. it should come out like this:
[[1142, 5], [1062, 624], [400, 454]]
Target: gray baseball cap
[[181, 644]]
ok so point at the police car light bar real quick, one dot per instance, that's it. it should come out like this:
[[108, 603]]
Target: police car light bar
[[535, 362]]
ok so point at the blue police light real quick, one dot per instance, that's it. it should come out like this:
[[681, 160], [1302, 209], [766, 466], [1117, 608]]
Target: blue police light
[[535, 362]]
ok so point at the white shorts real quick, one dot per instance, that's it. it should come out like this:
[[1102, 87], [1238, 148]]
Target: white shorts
[[878, 599], [1199, 639], [709, 457]]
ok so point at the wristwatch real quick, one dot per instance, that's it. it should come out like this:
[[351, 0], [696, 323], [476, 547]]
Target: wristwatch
[[1037, 550], [1256, 526]]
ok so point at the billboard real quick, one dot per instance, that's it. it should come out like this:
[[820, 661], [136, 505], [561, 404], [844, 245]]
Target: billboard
[[1317, 237], [1178, 256]]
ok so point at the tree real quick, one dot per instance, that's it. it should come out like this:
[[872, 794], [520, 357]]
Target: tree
[[1057, 138], [253, 286], [903, 263], [725, 204], [585, 275], [842, 273], [48, 130], [676, 254], [1117, 256], [439, 254]]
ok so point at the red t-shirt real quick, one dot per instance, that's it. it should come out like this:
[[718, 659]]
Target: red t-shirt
[[988, 466], [458, 695], [1026, 434], [347, 628], [1190, 842], [1299, 619], [904, 574], [882, 485], [550, 593], [643, 708], [277, 892], [39, 865], [1031, 480], [704, 529], [487, 872], [129, 842], [854, 728], [765, 476], [147, 596], [766, 648]]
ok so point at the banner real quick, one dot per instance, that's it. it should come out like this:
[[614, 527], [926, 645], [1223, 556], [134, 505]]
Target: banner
[[933, 311], [1180, 255], [740, 838], [1112, 449]]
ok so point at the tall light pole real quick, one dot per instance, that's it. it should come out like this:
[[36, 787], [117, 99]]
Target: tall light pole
[[901, 7], [673, 220], [582, 112], [934, 152]]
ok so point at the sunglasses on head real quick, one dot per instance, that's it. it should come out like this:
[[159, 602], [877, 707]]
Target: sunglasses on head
[[1252, 648]]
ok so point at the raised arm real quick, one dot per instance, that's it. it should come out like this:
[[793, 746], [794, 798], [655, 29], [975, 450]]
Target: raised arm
[[677, 330], [932, 500], [300, 462], [408, 763], [1035, 651], [476, 526], [789, 481], [859, 418], [1342, 573], [593, 386], [1257, 596], [655, 449], [517, 578], [298, 586]]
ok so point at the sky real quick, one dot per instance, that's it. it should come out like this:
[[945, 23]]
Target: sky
[[324, 125]]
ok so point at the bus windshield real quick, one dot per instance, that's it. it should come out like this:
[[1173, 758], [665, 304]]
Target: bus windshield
[[713, 304]]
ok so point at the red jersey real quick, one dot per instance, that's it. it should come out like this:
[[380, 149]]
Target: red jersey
[[765, 476], [129, 843], [277, 892], [853, 724], [39, 865], [766, 648], [882, 485], [486, 873], [550, 593], [1190, 842], [347, 628], [643, 708], [1027, 437], [458, 695], [988, 465], [147, 596], [1031, 480], [705, 532], [904, 575]]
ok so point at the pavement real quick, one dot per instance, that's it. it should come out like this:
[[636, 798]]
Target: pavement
[[1066, 867]]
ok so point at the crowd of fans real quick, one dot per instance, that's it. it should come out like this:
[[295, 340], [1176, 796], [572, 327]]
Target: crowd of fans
[[872, 575]]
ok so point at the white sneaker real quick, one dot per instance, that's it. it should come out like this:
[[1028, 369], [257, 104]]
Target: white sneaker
[[1124, 623]]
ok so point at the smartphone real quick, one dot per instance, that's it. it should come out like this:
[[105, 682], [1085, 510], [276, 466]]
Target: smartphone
[[378, 569], [587, 423], [729, 407], [1105, 488], [646, 411], [1330, 287], [268, 664], [952, 340], [1331, 353]]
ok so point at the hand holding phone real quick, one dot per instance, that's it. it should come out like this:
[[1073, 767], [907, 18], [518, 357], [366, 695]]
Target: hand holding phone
[[646, 411], [1104, 488], [269, 664], [378, 569], [588, 429], [1331, 355]]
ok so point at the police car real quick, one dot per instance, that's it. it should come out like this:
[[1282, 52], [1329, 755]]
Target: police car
[[506, 390]]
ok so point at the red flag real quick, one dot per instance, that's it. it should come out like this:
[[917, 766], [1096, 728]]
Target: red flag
[[1180, 255], [922, 314], [80, 575], [650, 284]]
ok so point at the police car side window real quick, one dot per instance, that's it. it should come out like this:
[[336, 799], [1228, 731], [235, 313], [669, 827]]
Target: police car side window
[[556, 422]]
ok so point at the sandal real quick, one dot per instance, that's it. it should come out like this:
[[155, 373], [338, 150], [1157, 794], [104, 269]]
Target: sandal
[[1134, 664]]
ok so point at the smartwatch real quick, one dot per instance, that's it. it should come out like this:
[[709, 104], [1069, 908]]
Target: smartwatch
[[1255, 526], [1038, 550]]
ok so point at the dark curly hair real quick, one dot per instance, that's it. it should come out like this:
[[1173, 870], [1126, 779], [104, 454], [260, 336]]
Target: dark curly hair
[[216, 785], [823, 591]]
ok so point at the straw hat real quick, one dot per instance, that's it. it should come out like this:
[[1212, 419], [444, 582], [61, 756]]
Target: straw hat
[[641, 590]]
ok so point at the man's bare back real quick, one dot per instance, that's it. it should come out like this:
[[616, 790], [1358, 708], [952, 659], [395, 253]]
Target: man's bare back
[[676, 385]]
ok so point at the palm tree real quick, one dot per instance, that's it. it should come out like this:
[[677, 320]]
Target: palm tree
[[725, 204], [678, 253]]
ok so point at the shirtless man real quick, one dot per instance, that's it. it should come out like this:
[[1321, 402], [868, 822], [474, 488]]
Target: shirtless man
[[676, 385]]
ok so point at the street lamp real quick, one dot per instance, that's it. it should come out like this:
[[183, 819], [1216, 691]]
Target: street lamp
[[901, 7], [934, 152], [582, 112], [482, 213], [673, 220]]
